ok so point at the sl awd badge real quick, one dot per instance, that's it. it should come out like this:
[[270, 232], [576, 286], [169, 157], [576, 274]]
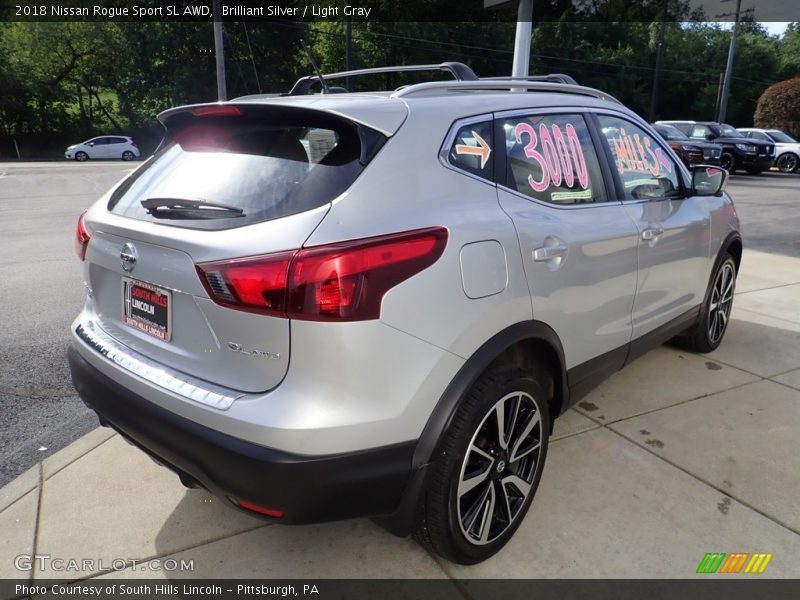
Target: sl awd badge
[[128, 256], [255, 353]]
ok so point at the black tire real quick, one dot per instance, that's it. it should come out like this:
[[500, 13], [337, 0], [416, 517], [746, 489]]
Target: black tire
[[705, 336], [787, 162], [754, 171], [128, 155], [81, 156], [441, 528], [728, 162]]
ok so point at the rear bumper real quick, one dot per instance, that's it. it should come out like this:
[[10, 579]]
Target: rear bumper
[[306, 489]]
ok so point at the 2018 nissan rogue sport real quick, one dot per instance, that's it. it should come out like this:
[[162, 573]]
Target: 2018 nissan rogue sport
[[323, 306]]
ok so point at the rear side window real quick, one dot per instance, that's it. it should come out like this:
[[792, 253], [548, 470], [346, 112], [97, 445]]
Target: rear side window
[[552, 158], [645, 169], [261, 167], [471, 150]]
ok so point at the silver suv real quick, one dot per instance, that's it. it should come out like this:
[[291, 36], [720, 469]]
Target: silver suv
[[323, 306]]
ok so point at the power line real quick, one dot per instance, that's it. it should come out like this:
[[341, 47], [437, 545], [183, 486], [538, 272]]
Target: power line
[[692, 74]]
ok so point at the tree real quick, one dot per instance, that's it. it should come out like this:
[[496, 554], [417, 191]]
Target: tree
[[789, 53], [779, 107]]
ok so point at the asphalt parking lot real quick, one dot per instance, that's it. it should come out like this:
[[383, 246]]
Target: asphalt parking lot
[[41, 293], [676, 456], [41, 290], [769, 209]]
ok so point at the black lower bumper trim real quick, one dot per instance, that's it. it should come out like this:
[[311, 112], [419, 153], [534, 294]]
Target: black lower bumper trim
[[307, 489], [753, 162]]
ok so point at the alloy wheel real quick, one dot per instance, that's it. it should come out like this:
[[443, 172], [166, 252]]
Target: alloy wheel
[[499, 468], [787, 163], [721, 301], [727, 162]]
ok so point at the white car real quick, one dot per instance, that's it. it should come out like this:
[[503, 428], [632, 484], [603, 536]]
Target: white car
[[787, 149], [104, 146]]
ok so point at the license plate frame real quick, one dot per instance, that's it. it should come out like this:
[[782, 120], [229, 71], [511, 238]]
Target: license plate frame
[[147, 308]]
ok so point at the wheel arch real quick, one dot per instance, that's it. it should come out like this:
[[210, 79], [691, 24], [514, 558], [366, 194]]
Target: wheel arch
[[520, 344], [733, 246]]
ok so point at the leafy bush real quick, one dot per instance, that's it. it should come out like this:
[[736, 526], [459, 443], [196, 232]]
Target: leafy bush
[[779, 107]]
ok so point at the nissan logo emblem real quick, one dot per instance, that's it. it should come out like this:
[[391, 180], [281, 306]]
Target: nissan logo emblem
[[128, 257]]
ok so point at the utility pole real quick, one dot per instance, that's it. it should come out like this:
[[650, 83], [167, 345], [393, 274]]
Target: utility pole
[[659, 62], [348, 47], [726, 84], [719, 96], [219, 52], [522, 43]]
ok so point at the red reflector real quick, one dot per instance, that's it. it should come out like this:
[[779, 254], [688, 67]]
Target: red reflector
[[218, 110], [82, 237], [336, 282], [263, 510]]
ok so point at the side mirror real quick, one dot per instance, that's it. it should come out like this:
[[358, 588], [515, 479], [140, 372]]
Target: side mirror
[[708, 180], [91, 144], [709, 136]]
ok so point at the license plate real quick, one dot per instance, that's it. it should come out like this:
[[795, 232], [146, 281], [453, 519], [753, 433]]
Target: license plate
[[147, 308]]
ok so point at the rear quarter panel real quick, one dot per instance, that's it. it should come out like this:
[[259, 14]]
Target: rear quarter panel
[[407, 187]]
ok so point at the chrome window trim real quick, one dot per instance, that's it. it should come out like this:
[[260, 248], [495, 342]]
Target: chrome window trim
[[545, 110], [584, 206], [173, 381]]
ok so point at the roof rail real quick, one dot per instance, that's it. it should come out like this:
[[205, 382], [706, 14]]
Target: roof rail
[[489, 85], [551, 78], [460, 72]]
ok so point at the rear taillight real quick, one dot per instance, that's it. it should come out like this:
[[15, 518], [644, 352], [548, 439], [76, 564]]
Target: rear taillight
[[82, 237], [335, 282], [254, 284]]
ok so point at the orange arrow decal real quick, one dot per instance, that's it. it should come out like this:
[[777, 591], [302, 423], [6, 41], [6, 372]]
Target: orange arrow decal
[[482, 149]]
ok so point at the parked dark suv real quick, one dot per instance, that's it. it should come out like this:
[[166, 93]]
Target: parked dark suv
[[691, 152], [738, 151]]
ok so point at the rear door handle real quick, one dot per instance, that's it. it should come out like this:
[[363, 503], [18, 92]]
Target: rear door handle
[[652, 233], [546, 253]]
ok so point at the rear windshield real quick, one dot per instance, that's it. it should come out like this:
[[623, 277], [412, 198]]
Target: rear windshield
[[255, 167]]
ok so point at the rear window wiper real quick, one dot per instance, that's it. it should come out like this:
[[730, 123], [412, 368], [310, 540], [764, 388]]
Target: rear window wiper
[[180, 208]]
